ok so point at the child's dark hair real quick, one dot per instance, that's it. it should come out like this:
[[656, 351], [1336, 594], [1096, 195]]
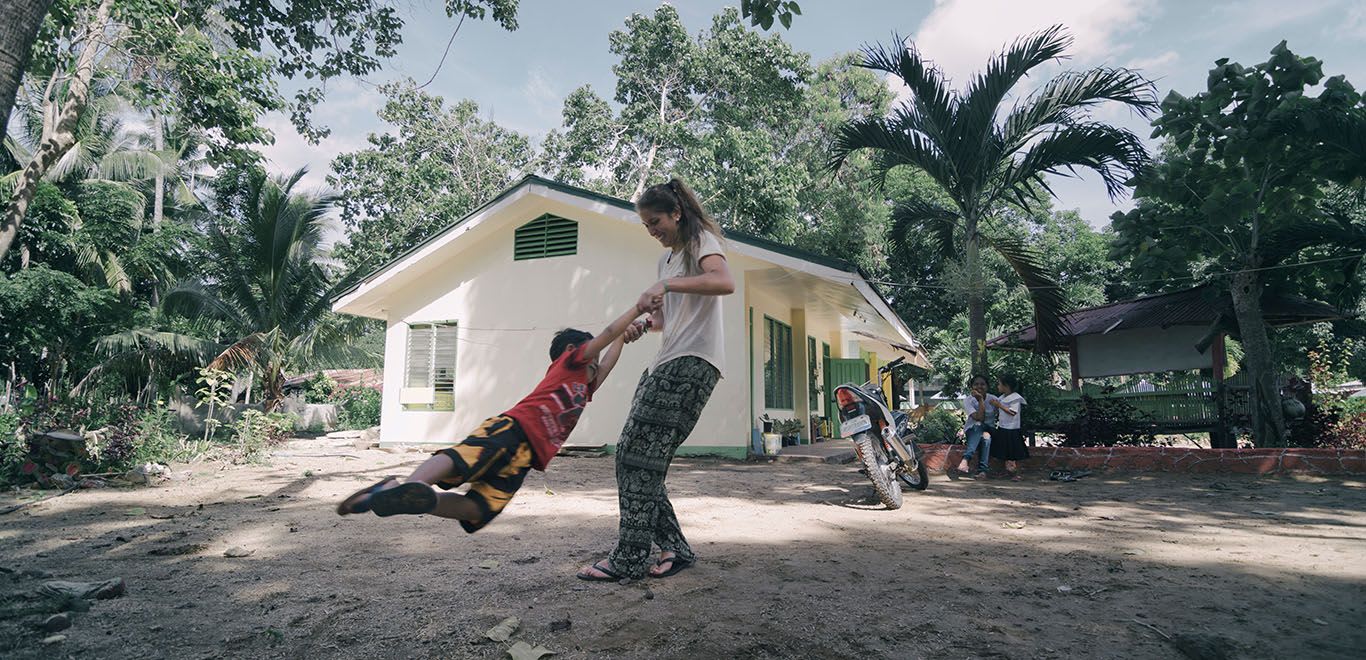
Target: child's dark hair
[[676, 197], [974, 379], [1009, 380], [566, 338]]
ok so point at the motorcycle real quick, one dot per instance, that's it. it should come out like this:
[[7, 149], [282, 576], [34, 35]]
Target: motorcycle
[[883, 438]]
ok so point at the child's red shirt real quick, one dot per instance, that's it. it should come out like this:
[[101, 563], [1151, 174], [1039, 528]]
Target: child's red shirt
[[549, 413]]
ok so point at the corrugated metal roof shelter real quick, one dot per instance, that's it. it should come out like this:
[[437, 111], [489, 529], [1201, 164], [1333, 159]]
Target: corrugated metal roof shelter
[[1178, 331], [1200, 306]]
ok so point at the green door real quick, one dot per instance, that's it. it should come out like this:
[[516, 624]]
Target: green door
[[840, 372]]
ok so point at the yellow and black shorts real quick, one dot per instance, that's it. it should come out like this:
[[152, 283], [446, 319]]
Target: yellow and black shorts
[[494, 461]]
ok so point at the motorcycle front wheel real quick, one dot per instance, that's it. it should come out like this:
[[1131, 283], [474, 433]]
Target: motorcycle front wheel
[[918, 480], [879, 470]]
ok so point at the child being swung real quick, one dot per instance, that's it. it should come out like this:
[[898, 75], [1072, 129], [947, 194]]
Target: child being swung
[[495, 458]]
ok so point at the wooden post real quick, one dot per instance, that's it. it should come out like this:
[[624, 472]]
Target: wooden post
[[1076, 367], [1219, 438]]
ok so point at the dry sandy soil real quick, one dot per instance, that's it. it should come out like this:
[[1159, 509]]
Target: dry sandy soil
[[795, 562]]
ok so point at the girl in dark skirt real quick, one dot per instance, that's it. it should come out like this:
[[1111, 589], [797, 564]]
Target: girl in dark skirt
[[1007, 442]]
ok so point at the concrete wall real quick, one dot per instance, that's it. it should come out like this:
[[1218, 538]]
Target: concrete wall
[[1146, 350]]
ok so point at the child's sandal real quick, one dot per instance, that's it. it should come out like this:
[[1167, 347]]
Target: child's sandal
[[359, 501], [410, 498]]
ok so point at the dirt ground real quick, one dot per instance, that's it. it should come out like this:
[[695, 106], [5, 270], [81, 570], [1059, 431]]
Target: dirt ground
[[794, 562]]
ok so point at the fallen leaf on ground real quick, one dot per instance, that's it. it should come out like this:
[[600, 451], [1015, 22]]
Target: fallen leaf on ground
[[488, 564], [238, 551], [504, 631], [1321, 622], [1015, 524], [524, 651], [1063, 589], [1263, 513], [135, 511]]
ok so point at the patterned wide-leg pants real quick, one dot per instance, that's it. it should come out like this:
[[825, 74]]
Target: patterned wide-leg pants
[[666, 407]]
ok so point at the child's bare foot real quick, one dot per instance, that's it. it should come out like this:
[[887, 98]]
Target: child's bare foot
[[359, 501]]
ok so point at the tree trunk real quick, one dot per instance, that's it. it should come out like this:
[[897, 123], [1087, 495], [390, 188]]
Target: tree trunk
[[1264, 399], [18, 30], [654, 146], [159, 193], [63, 134], [977, 312]]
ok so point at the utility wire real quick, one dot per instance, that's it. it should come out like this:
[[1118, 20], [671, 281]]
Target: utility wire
[[1178, 278]]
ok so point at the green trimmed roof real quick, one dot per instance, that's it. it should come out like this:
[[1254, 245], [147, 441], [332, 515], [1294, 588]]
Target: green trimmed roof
[[532, 179]]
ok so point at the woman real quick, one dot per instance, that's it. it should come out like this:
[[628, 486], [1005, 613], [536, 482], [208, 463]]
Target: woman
[[978, 443], [693, 276]]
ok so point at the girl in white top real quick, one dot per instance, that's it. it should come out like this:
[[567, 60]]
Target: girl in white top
[[692, 276], [1007, 443]]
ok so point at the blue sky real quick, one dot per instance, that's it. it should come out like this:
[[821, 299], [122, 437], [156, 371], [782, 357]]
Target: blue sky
[[520, 78]]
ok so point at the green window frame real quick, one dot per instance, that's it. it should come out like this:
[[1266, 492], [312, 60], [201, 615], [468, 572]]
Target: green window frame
[[813, 374], [546, 236], [430, 364], [778, 385]]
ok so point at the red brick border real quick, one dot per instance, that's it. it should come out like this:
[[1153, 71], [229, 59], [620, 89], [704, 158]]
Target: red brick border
[[1175, 459]]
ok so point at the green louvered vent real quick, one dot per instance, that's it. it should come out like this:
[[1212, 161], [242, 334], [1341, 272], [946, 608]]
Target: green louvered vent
[[546, 236]]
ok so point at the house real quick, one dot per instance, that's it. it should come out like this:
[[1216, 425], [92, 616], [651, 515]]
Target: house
[[470, 313]]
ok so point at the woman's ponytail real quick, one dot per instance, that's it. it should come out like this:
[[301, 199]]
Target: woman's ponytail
[[693, 220]]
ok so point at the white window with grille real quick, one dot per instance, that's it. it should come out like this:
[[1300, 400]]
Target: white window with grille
[[429, 367]]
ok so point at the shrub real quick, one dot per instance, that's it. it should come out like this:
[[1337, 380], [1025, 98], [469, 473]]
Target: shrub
[[357, 407], [940, 425], [320, 388], [1107, 422], [13, 449], [256, 432]]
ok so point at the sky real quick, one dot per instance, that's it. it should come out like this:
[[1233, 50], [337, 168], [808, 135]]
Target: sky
[[521, 78]]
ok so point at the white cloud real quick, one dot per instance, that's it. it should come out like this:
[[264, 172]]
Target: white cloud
[[541, 96], [1251, 18], [349, 111], [1353, 24], [292, 151], [1157, 63], [959, 35]]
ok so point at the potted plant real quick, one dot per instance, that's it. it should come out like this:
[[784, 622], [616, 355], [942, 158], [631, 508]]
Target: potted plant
[[772, 440], [789, 429]]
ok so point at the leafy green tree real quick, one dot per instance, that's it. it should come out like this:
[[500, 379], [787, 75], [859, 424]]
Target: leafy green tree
[[48, 319], [686, 105], [204, 64], [844, 215], [265, 283], [314, 40], [983, 154], [440, 163], [1243, 192], [762, 12]]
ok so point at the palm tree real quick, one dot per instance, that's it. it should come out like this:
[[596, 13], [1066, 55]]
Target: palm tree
[[984, 155], [267, 283]]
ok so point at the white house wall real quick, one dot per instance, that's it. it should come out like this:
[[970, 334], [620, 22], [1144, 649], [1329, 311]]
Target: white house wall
[[508, 311]]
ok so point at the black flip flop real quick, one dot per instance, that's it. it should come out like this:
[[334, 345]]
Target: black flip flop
[[676, 566], [359, 501], [612, 576], [410, 498]]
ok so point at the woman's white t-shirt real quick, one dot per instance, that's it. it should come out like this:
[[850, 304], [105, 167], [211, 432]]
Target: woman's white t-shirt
[[692, 322], [970, 406], [1015, 403]]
